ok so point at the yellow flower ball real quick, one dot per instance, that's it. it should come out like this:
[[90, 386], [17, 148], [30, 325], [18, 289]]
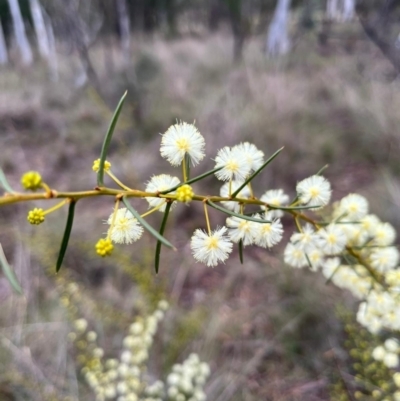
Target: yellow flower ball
[[31, 180], [184, 193], [104, 247], [96, 165], [36, 216]]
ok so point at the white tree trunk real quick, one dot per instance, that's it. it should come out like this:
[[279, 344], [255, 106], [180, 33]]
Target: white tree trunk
[[332, 9], [349, 7], [124, 26], [19, 31], [52, 59], [278, 42], [40, 28], [3, 48], [340, 10]]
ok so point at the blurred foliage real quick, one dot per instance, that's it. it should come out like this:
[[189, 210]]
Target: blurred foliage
[[360, 376]]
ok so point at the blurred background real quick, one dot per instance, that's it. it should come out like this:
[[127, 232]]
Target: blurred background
[[318, 77]]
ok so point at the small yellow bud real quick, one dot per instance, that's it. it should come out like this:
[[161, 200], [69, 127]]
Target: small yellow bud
[[31, 180], [96, 165], [184, 193], [104, 247], [36, 216]]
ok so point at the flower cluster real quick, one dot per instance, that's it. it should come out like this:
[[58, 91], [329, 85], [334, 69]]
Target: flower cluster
[[355, 251], [124, 378], [186, 381], [388, 353]]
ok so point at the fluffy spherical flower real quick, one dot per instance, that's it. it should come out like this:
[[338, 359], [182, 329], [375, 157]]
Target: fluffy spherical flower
[[391, 360], [379, 353], [126, 228], [243, 193], [294, 256], [353, 207], [392, 345], [384, 259], [240, 229], [254, 156], [211, 248], [369, 223], [315, 259], [331, 239], [267, 234], [159, 183], [314, 191], [180, 139], [384, 234], [396, 379], [305, 240], [81, 325], [275, 197], [234, 164]]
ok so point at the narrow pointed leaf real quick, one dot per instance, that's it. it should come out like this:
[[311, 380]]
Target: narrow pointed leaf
[[162, 229], [291, 207], [146, 225], [107, 140], [322, 169], [67, 234], [241, 251], [308, 261], [329, 279], [192, 180], [9, 272], [257, 172], [241, 216], [4, 183]]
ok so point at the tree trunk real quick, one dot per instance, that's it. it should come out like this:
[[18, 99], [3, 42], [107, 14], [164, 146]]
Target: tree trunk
[[238, 29], [380, 24], [52, 60], [278, 42], [124, 28], [3, 48], [171, 10], [340, 10], [77, 35], [332, 9], [19, 31], [349, 7], [40, 29]]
